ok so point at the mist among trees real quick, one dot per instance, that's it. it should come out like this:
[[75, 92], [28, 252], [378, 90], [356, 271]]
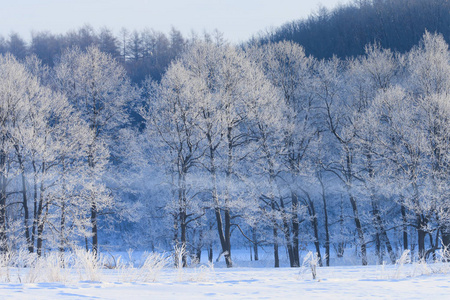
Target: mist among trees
[[203, 145]]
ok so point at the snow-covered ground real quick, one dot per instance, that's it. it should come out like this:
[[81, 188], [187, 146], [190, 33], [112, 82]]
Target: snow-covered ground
[[384, 282]]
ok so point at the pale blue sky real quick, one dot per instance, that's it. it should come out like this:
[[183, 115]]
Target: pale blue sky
[[237, 19]]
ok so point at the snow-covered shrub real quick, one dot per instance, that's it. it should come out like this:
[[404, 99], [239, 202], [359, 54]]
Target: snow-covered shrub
[[48, 268], [5, 260], [404, 259], [87, 264], [311, 261], [152, 266]]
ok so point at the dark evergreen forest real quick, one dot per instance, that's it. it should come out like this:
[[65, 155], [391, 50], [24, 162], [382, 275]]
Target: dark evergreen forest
[[394, 24], [142, 53]]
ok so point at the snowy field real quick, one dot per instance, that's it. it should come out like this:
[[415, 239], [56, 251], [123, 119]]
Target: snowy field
[[408, 281], [247, 283]]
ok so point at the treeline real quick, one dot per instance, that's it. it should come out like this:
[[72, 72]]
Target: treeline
[[143, 53], [58, 129], [292, 151], [262, 146], [345, 30]]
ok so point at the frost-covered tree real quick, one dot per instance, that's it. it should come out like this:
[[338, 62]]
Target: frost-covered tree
[[16, 89], [172, 132], [428, 66], [405, 142], [375, 72], [40, 130], [213, 100], [98, 88], [290, 71], [338, 109]]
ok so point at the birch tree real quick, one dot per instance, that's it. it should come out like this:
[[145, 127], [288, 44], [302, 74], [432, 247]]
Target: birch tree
[[372, 73], [16, 89], [428, 65], [99, 90], [287, 67], [171, 130]]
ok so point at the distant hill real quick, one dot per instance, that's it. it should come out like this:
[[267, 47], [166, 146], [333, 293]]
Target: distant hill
[[345, 30]]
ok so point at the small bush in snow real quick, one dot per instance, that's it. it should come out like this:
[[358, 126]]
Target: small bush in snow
[[311, 261]]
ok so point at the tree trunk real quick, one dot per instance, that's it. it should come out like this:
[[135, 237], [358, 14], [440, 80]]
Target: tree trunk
[[182, 215], [175, 234], [3, 244], [40, 231], [341, 245], [210, 253], [287, 235], [224, 242], [183, 227], [94, 228], [446, 238], [62, 242], [404, 228], [327, 233], [360, 231], [295, 230], [378, 252], [255, 244], [275, 237], [24, 201], [40, 218], [355, 211], [421, 233], [35, 206], [445, 243], [93, 207], [228, 238], [228, 174], [315, 227], [420, 223], [382, 234], [198, 248], [316, 234], [275, 247], [3, 238]]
